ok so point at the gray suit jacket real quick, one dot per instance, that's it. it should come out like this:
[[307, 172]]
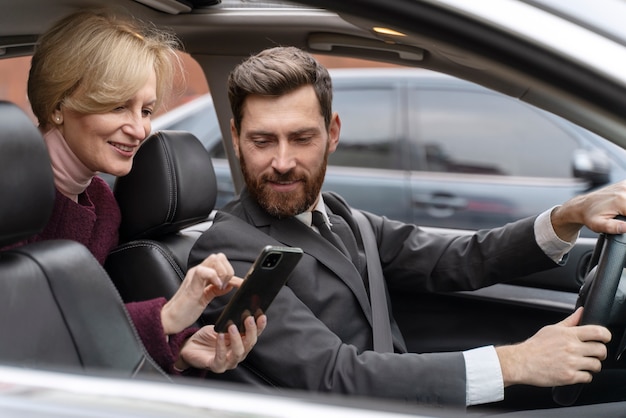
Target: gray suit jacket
[[319, 332]]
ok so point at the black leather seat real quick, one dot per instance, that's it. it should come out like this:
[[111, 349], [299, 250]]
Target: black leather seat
[[166, 201], [58, 307]]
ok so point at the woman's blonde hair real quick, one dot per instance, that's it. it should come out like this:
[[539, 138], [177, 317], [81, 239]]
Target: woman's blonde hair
[[92, 61]]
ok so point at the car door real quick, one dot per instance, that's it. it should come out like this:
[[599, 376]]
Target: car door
[[480, 159]]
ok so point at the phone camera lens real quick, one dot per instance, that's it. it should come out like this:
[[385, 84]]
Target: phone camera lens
[[271, 260]]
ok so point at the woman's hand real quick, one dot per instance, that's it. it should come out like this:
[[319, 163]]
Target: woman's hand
[[213, 277], [209, 350]]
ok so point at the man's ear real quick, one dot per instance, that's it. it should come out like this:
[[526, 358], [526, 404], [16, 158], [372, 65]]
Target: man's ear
[[234, 137], [333, 133]]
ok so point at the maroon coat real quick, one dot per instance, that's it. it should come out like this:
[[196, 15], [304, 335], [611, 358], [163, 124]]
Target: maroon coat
[[93, 221]]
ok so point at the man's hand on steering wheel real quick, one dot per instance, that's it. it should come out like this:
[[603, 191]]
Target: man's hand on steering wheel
[[559, 354]]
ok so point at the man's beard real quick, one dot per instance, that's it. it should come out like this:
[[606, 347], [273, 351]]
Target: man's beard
[[284, 204]]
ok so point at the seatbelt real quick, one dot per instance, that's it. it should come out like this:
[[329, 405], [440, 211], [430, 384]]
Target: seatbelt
[[381, 325]]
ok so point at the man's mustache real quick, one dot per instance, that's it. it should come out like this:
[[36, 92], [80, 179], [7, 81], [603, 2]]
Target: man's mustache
[[282, 178]]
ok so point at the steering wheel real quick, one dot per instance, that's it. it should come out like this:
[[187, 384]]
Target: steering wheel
[[597, 295]]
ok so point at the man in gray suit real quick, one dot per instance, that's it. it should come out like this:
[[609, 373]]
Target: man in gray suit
[[323, 324]]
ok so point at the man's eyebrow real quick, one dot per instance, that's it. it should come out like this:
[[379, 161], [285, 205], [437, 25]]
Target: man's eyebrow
[[298, 132], [304, 131], [260, 133]]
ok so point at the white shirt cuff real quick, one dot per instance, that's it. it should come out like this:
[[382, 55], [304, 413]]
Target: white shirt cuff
[[484, 382], [553, 246]]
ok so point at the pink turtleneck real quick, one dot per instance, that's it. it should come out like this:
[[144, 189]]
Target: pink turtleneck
[[71, 177]]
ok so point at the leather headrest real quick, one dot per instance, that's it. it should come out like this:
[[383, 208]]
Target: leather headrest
[[26, 182], [171, 185]]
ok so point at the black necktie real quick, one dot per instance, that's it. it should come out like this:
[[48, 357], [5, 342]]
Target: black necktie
[[325, 231]]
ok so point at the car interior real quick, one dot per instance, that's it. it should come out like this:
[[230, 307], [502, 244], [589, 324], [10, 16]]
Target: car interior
[[168, 199]]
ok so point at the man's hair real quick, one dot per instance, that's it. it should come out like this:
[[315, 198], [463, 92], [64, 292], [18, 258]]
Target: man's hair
[[91, 61], [277, 71]]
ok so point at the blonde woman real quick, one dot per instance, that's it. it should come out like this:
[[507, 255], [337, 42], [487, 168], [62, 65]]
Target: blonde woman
[[95, 80]]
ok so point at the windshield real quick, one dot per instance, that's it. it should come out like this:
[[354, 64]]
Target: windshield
[[605, 17], [579, 30]]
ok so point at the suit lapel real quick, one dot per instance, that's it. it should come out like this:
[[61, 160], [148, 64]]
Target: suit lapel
[[293, 233]]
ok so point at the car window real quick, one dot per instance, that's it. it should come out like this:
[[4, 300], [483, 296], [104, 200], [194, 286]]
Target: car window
[[204, 125], [368, 128], [479, 132], [13, 77]]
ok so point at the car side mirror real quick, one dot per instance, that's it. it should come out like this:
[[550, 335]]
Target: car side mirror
[[593, 166]]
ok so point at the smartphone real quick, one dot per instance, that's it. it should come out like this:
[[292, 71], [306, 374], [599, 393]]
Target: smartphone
[[268, 274]]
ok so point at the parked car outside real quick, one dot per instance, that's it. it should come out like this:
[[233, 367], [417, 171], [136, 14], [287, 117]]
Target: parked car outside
[[435, 150]]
